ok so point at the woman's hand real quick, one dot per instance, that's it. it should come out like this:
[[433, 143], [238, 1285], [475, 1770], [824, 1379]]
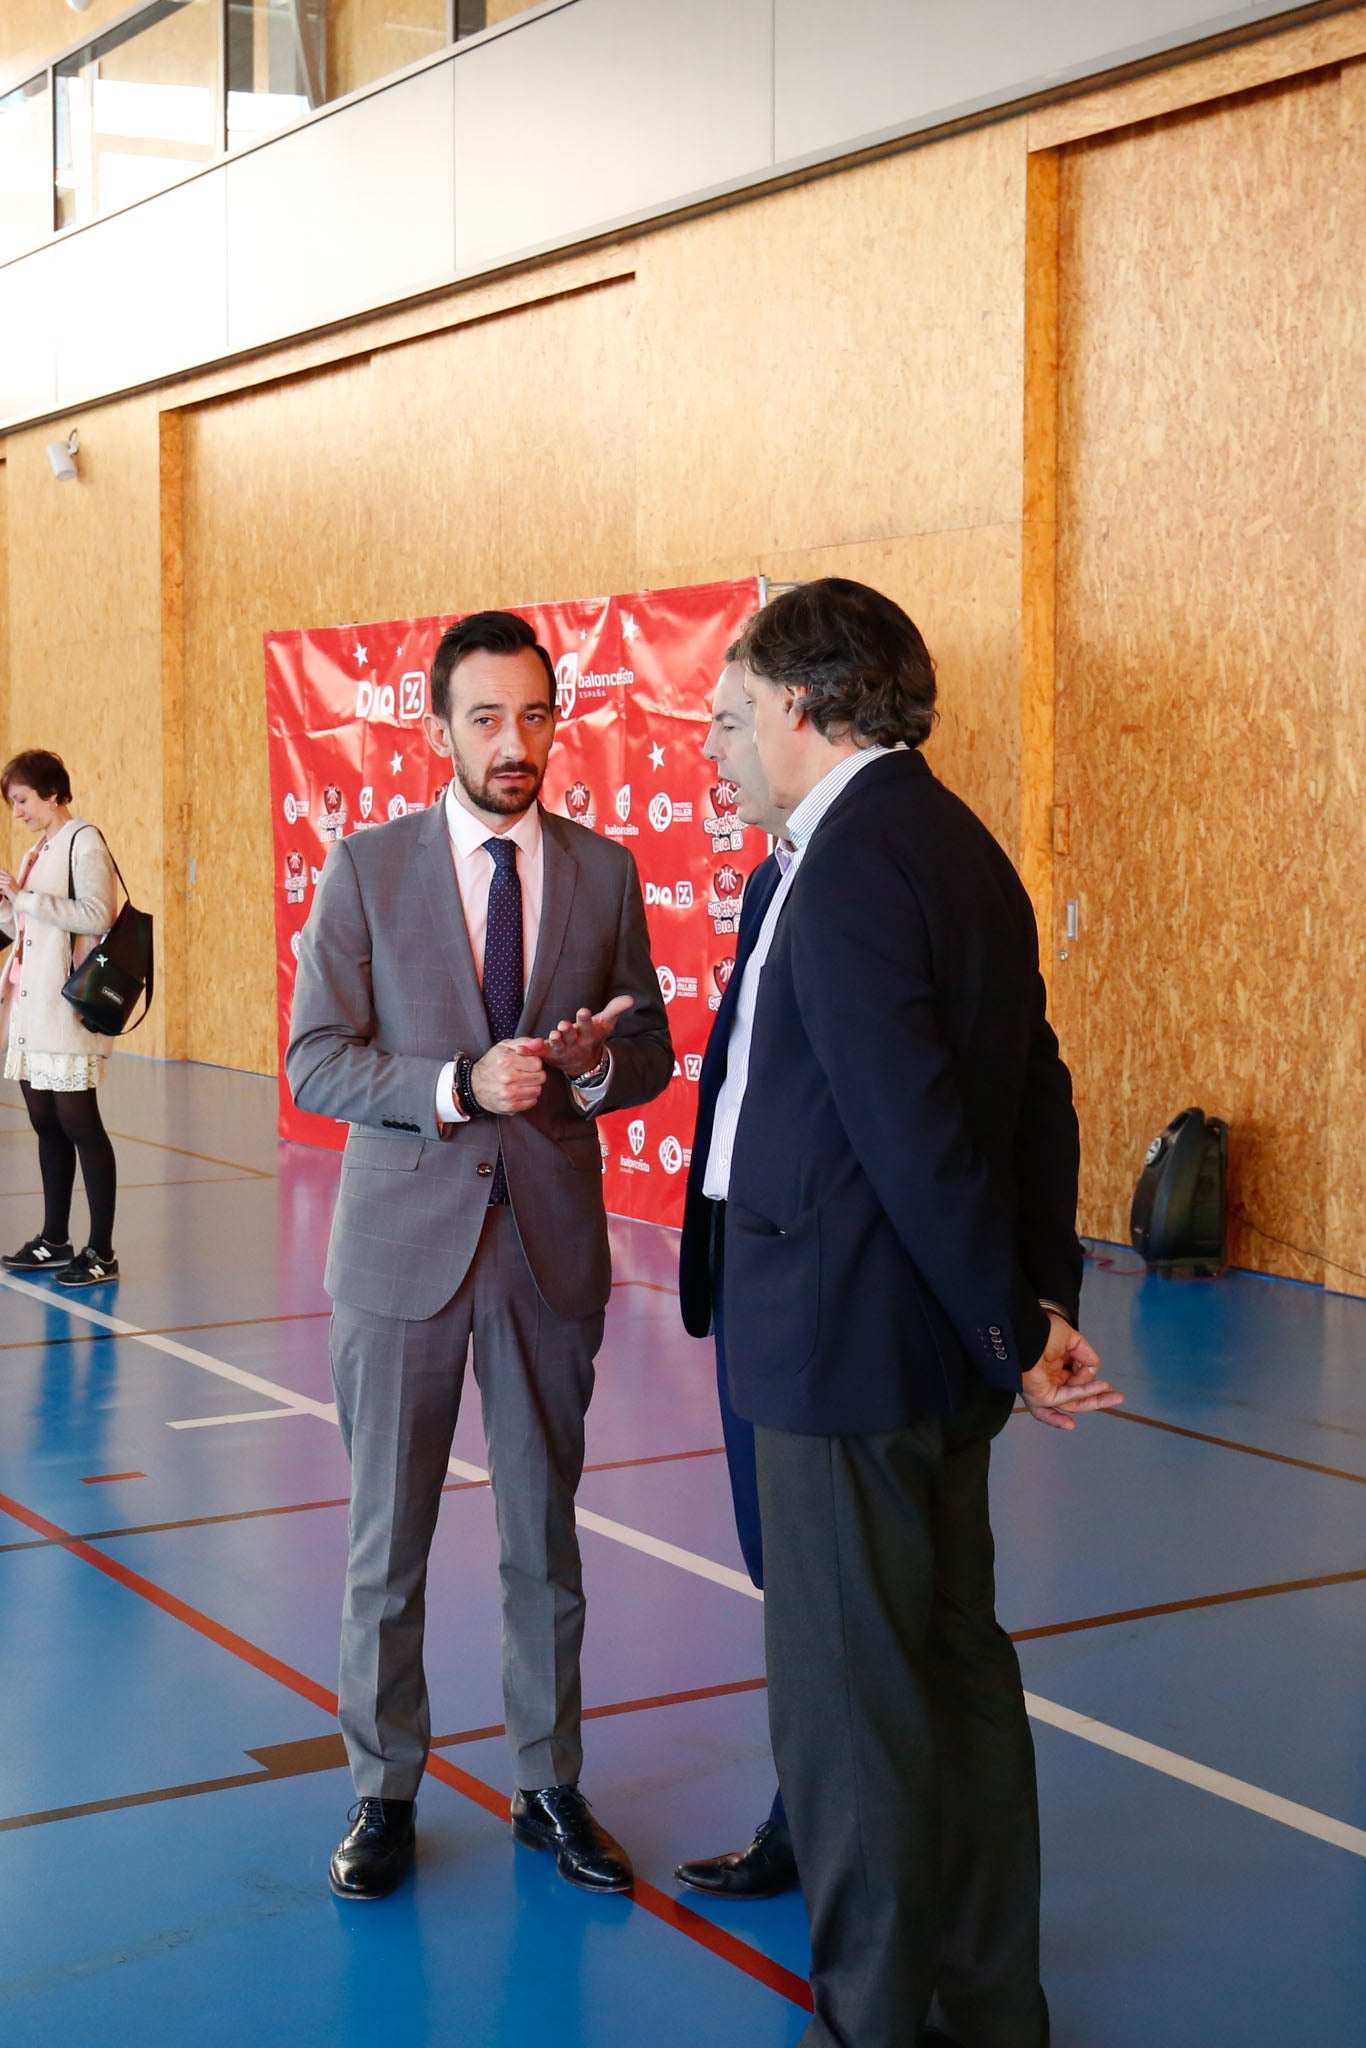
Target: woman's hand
[[9, 888]]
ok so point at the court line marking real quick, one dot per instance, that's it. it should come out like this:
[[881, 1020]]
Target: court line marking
[[600, 1525], [683, 1919], [637, 1539], [1228, 1443], [1304, 1819], [1270, 1804], [253, 1382], [248, 1415]]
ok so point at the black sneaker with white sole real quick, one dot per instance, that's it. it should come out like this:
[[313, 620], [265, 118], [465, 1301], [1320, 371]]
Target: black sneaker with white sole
[[38, 1256], [87, 1269]]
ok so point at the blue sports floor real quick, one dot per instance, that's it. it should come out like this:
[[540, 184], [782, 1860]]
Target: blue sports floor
[[1187, 1582]]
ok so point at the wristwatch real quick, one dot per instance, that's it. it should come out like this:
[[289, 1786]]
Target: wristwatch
[[595, 1076]]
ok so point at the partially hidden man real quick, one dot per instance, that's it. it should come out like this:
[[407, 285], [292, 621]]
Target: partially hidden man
[[901, 1265], [474, 988], [767, 1866]]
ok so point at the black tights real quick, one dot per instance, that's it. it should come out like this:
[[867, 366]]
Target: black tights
[[68, 1125]]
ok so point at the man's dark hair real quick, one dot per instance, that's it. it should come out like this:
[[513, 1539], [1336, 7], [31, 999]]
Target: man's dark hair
[[858, 660], [487, 633], [45, 774]]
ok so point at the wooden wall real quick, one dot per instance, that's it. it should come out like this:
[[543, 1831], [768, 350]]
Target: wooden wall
[[1210, 739], [85, 603], [1090, 410], [646, 430]]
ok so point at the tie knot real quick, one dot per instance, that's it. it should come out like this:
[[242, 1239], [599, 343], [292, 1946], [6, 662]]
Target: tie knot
[[503, 853]]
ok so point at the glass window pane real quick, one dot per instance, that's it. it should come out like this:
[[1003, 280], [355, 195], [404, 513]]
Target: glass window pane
[[366, 42], [277, 65], [138, 108], [25, 167]]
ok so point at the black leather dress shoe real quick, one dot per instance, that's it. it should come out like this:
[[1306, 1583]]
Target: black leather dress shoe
[[761, 1871], [378, 1852], [558, 1818]]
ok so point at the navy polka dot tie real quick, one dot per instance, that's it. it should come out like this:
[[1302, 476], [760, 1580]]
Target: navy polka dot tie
[[503, 982]]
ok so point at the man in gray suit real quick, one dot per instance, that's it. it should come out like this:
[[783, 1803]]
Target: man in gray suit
[[474, 987]]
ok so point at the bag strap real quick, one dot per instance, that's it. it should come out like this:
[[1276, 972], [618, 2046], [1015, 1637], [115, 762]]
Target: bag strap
[[71, 891], [71, 894]]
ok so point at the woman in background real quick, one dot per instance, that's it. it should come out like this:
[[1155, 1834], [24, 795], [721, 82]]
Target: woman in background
[[57, 909]]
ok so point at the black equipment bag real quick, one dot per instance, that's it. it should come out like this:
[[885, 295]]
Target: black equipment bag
[[104, 990]]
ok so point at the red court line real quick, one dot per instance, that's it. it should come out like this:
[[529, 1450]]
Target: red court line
[[681, 1918], [107, 1478]]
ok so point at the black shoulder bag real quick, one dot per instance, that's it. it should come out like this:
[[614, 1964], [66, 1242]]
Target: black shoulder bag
[[104, 990]]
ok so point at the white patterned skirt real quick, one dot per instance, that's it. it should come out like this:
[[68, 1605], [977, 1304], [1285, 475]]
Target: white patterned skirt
[[65, 1073]]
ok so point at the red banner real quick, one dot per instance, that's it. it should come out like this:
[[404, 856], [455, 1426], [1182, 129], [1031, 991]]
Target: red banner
[[635, 676]]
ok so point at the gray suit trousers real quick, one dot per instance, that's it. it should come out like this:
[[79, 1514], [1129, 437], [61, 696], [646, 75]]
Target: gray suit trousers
[[900, 1733], [398, 1387]]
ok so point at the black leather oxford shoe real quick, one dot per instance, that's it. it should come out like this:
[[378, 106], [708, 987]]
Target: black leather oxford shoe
[[558, 1818], [378, 1852], [761, 1871]]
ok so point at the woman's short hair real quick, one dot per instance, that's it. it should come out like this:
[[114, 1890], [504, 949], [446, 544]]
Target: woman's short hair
[[857, 659], [45, 774]]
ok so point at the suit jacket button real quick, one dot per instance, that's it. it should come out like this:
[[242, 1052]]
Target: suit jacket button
[[484, 1169]]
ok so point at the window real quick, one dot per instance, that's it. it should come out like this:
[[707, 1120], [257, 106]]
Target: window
[[138, 108], [277, 65], [25, 166], [174, 84]]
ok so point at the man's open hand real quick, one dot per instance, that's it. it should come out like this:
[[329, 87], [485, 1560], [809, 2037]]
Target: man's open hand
[[1064, 1383], [510, 1076], [577, 1047]]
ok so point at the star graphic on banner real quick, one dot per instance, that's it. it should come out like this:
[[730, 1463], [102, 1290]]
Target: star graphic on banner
[[656, 755], [629, 629], [396, 764], [360, 655]]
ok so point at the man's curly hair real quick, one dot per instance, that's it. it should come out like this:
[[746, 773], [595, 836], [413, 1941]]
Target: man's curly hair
[[857, 659]]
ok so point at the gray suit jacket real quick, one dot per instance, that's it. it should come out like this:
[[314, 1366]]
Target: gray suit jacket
[[387, 993]]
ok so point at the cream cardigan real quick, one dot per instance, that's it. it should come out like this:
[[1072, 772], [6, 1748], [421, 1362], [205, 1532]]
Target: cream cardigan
[[39, 1020]]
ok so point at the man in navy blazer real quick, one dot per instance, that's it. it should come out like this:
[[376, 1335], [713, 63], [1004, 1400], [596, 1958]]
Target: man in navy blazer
[[901, 1264], [767, 1866]]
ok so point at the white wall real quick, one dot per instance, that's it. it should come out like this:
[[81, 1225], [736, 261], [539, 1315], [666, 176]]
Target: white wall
[[587, 115]]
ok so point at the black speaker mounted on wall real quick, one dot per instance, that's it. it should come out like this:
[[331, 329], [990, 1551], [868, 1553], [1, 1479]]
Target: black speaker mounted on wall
[[1179, 1221]]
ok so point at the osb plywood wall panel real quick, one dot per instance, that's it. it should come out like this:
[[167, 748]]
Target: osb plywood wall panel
[[1200, 402], [490, 465], [963, 591], [1341, 912], [839, 362], [85, 646], [1263, 60], [831, 385]]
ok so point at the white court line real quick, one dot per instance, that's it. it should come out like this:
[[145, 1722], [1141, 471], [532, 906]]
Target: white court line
[[636, 1539], [1236, 1790], [1339, 1834], [254, 1415], [253, 1382]]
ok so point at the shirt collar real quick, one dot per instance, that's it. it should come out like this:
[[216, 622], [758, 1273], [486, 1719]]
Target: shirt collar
[[469, 833], [784, 854], [814, 805]]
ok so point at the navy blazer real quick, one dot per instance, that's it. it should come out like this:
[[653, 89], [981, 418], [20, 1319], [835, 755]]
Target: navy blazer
[[904, 1182], [694, 1251]]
